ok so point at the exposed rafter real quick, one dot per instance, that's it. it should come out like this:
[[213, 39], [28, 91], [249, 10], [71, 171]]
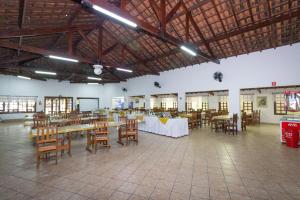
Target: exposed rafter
[[146, 27]]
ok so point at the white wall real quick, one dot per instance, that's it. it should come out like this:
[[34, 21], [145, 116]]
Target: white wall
[[11, 85], [258, 69]]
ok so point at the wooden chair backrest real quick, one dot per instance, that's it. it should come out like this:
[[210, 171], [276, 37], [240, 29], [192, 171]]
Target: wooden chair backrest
[[45, 134], [101, 127], [122, 119], [75, 121], [131, 125], [235, 118]]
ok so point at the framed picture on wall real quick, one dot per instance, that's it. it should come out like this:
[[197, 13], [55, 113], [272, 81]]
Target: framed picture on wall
[[262, 101]]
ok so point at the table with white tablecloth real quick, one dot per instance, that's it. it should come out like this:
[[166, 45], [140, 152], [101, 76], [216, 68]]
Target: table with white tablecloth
[[176, 127]]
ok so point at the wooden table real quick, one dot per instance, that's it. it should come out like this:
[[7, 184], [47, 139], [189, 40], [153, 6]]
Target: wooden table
[[222, 119], [84, 120], [68, 130]]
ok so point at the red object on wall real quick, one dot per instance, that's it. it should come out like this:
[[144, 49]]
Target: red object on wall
[[290, 133], [273, 83]]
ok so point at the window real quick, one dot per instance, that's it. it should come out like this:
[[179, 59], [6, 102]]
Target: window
[[196, 103], [279, 105], [223, 105], [247, 103], [118, 102], [205, 103], [168, 102], [55, 105], [204, 106], [17, 104]]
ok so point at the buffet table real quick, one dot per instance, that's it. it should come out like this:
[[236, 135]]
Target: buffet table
[[176, 127]]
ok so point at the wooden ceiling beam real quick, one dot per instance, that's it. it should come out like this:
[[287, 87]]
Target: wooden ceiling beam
[[155, 9], [197, 29], [238, 24], [45, 52], [257, 25], [19, 59], [223, 25], [211, 30], [110, 49], [190, 9], [22, 13], [140, 60], [45, 31], [173, 11], [146, 27], [100, 43]]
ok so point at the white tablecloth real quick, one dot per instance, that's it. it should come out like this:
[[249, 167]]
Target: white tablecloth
[[174, 127]]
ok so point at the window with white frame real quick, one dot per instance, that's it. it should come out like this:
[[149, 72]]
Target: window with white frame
[[205, 105], [247, 103], [223, 103], [279, 105], [17, 104]]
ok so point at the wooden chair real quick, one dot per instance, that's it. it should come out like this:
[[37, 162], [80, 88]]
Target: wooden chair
[[100, 135], [192, 121], [199, 118], [46, 142], [74, 122], [216, 125], [231, 125], [131, 131], [206, 119], [244, 121], [256, 117]]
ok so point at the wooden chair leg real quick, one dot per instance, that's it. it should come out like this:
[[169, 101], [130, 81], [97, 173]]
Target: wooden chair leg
[[38, 160], [56, 156]]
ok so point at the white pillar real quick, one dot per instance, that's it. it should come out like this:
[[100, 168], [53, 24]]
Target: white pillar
[[181, 101], [234, 103], [147, 101]]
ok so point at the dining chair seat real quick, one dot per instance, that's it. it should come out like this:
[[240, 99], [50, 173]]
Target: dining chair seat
[[47, 148]]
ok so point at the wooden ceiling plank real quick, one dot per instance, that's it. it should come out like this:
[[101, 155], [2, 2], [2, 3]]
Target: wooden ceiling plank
[[238, 25], [211, 30], [253, 21], [146, 27], [44, 31], [257, 25], [197, 29], [36, 50], [223, 26]]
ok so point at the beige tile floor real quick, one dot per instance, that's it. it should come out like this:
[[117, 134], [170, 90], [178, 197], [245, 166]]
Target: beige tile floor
[[204, 165]]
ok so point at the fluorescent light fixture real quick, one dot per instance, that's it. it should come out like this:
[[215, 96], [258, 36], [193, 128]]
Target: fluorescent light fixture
[[92, 83], [94, 78], [24, 77], [47, 73], [63, 58], [124, 70], [193, 53], [113, 15]]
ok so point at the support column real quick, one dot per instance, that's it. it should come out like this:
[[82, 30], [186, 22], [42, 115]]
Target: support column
[[181, 101], [234, 104], [147, 101]]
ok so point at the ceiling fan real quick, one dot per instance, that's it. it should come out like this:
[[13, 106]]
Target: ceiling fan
[[97, 69]]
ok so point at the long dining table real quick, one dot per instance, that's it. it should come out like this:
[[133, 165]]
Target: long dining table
[[69, 130]]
